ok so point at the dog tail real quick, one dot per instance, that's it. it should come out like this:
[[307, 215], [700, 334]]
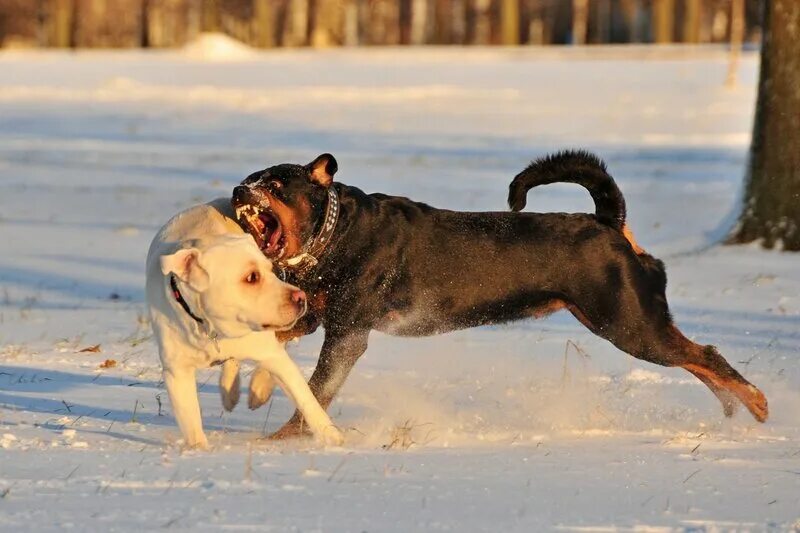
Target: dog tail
[[583, 168], [573, 166]]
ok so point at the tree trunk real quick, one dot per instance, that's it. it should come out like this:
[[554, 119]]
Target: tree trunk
[[580, 21], [325, 23], [663, 20], [405, 9], [210, 16], [737, 35], [263, 23], [691, 21], [772, 199], [419, 19], [602, 21], [296, 27], [144, 25], [443, 22], [351, 23], [510, 22], [64, 23]]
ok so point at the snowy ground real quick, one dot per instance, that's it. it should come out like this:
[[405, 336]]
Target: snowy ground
[[492, 429]]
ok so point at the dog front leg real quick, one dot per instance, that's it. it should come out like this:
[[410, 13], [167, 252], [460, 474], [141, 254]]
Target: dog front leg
[[295, 386], [339, 353], [181, 385], [229, 387], [261, 385]]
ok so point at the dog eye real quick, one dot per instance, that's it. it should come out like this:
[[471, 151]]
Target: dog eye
[[253, 278], [275, 184]]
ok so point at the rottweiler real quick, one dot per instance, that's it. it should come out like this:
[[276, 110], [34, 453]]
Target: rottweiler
[[387, 263]]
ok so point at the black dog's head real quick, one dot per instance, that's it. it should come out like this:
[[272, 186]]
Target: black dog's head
[[283, 206]]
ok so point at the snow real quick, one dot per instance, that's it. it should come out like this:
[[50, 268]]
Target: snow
[[506, 428], [217, 47]]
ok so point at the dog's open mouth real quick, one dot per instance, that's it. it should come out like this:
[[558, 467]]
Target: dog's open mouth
[[265, 227]]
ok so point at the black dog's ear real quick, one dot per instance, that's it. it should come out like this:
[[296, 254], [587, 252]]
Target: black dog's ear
[[322, 169]]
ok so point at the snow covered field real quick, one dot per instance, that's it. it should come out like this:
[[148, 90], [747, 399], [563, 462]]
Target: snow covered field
[[505, 428]]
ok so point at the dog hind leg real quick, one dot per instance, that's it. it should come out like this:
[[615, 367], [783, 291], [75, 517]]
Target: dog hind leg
[[636, 320]]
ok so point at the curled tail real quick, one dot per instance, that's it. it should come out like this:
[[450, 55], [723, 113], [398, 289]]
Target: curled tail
[[573, 166], [583, 168]]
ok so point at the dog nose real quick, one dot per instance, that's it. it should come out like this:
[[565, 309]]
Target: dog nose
[[298, 297], [240, 192]]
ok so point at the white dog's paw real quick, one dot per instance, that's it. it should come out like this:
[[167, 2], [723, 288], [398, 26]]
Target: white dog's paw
[[331, 436], [229, 384], [230, 397], [261, 386], [199, 444]]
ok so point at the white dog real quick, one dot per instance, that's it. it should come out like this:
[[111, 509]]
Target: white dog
[[213, 299]]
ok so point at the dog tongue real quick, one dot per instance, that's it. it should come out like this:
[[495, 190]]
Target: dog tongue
[[273, 238]]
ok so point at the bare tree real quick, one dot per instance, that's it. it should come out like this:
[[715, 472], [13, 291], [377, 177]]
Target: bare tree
[[264, 23], [737, 35], [509, 22], [772, 200], [691, 21], [663, 20], [580, 21], [210, 15]]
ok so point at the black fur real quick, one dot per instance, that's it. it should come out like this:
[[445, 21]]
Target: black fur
[[572, 166], [409, 269]]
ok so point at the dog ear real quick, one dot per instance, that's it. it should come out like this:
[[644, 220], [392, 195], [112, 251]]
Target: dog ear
[[185, 265], [322, 169]]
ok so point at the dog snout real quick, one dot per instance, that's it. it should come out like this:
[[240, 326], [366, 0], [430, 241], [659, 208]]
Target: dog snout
[[242, 194], [298, 298]]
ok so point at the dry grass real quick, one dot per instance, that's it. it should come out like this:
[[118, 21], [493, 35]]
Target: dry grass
[[402, 436]]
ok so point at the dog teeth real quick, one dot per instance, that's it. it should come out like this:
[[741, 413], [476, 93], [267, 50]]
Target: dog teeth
[[246, 211]]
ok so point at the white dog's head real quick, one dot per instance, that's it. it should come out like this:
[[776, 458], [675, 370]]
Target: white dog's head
[[233, 287]]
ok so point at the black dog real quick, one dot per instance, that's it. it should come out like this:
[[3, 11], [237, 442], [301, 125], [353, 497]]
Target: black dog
[[372, 261]]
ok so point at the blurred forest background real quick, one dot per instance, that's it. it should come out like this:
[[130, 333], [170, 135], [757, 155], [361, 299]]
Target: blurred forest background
[[323, 23]]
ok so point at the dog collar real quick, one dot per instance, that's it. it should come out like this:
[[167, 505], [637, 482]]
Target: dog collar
[[176, 293], [173, 283], [309, 258]]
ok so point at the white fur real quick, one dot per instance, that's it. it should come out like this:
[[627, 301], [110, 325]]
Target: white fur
[[210, 256]]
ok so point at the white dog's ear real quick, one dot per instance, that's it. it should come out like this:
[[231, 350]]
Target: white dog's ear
[[185, 265]]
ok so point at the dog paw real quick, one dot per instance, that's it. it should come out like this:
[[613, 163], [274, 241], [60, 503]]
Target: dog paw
[[261, 387], [291, 430], [331, 436], [230, 397], [229, 385], [755, 402], [196, 444]]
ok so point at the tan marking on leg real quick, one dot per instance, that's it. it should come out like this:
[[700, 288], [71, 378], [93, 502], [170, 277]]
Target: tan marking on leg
[[705, 359], [549, 308], [726, 398], [748, 394]]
